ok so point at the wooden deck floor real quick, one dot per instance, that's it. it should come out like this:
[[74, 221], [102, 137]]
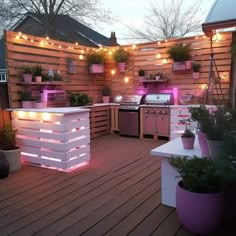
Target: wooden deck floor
[[117, 194]]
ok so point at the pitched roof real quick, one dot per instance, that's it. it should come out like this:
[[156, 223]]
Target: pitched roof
[[65, 28]]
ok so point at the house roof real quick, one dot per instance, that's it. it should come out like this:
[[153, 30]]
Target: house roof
[[65, 28]]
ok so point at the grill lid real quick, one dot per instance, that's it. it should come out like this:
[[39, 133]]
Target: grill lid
[[128, 99], [158, 99]]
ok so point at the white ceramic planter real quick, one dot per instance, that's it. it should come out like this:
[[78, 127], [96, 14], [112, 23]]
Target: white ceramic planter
[[13, 157]]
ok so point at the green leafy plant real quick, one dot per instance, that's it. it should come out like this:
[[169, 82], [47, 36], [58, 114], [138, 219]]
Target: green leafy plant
[[48, 77], [37, 70], [8, 137], [96, 58], [26, 69], [179, 52], [106, 91], [79, 99], [188, 131], [200, 175], [121, 55], [26, 95], [202, 116], [196, 67], [141, 72]]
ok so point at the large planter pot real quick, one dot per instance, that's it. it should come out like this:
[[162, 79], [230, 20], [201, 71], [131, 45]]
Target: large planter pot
[[96, 68], [13, 157], [4, 167], [27, 78], [188, 143], [121, 66], [200, 213], [202, 140], [214, 148], [106, 99], [27, 104]]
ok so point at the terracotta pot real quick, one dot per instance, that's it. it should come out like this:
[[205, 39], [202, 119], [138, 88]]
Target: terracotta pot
[[27, 78], [196, 75], [27, 104], [200, 213], [38, 79], [202, 140], [188, 143], [106, 99], [96, 68], [121, 66]]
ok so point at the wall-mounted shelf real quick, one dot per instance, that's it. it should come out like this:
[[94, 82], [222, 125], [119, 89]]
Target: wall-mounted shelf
[[45, 83], [155, 82]]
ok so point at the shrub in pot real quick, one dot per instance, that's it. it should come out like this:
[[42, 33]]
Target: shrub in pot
[[79, 99], [106, 93], [27, 73], [141, 74], [9, 148], [188, 137], [196, 70], [38, 73], [121, 57], [180, 54], [26, 98], [199, 196], [96, 62]]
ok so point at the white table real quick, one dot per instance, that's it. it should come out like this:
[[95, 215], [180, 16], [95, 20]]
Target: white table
[[168, 173]]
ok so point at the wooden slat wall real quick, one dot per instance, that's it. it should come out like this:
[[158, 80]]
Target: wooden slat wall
[[144, 56], [4, 115], [32, 51]]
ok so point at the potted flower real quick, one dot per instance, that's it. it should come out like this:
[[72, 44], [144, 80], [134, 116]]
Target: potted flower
[[141, 74], [121, 57], [199, 195], [202, 116], [38, 73], [27, 73], [96, 62], [38, 104], [71, 65], [196, 70], [106, 93], [188, 137], [158, 75], [180, 54], [26, 98], [9, 148]]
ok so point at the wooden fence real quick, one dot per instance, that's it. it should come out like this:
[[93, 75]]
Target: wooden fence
[[4, 115], [151, 57]]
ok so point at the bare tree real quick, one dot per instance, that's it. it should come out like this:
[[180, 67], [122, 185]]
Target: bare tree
[[86, 11], [169, 20]]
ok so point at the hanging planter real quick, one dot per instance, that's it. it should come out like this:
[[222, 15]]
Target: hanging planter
[[121, 66], [121, 57], [71, 65], [96, 62], [196, 70]]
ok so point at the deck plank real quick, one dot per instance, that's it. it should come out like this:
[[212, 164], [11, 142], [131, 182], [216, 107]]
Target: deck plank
[[118, 193]]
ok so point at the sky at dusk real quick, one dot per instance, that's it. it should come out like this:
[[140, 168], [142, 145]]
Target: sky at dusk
[[132, 12]]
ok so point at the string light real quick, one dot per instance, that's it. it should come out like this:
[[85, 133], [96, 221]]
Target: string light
[[31, 40], [158, 55], [126, 79], [81, 57], [113, 72], [164, 60], [47, 38], [76, 43], [158, 43], [133, 46], [17, 37]]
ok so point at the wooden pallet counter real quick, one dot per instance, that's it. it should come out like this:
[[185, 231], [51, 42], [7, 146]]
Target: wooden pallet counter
[[53, 137]]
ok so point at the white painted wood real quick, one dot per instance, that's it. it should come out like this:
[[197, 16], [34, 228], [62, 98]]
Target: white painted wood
[[168, 174], [58, 144]]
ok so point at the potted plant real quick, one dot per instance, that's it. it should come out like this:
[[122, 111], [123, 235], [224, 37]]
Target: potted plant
[[141, 74], [96, 62], [202, 116], [71, 65], [38, 73], [38, 104], [106, 93], [27, 73], [158, 75], [180, 54], [188, 137], [199, 195], [121, 57], [9, 148], [79, 99], [196, 70], [26, 98]]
